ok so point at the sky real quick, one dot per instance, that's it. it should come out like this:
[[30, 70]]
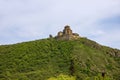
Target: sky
[[27, 20]]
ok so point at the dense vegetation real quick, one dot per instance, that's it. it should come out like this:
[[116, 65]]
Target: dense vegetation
[[62, 77], [48, 58]]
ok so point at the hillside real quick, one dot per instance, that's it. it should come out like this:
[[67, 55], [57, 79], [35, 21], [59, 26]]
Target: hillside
[[46, 58]]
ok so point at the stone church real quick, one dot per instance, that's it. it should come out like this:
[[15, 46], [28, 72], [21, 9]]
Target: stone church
[[67, 34]]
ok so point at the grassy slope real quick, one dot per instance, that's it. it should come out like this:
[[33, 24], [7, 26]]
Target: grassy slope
[[41, 59]]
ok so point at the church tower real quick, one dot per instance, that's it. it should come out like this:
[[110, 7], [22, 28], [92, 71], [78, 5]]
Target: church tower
[[67, 30]]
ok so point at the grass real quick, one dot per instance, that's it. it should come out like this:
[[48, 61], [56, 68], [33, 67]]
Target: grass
[[42, 59]]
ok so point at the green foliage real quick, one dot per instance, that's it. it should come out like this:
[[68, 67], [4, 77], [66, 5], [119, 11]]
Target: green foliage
[[99, 77], [42, 59], [62, 77]]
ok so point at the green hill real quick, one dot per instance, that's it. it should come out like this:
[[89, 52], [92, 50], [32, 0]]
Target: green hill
[[46, 58]]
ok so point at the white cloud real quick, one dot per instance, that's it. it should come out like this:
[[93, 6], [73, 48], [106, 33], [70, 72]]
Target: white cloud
[[33, 19]]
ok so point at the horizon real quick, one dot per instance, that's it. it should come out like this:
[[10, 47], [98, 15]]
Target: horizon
[[27, 20]]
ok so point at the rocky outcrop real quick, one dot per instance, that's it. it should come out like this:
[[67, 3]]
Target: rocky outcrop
[[113, 52]]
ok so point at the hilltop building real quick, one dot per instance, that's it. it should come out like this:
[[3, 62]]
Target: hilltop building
[[67, 34]]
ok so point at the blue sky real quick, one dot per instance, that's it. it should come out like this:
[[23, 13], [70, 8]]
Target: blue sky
[[26, 20]]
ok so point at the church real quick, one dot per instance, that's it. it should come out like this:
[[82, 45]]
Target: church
[[67, 34]]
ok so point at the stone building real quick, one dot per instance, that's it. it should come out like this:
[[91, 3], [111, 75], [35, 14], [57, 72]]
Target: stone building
[[67, 34]]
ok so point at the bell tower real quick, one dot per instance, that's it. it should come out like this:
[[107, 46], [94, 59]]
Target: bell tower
[[67, 30]]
